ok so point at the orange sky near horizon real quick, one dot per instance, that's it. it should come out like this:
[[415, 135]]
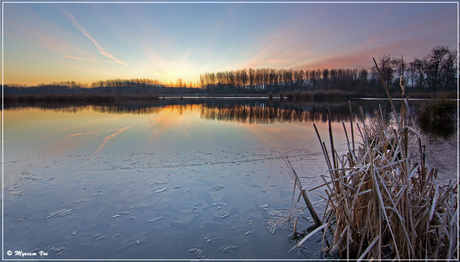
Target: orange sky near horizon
[[88, 42]]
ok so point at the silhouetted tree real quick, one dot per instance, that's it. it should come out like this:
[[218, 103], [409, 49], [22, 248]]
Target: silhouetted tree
[[326, 78], [386, 69], [436, 59], [449, 70]]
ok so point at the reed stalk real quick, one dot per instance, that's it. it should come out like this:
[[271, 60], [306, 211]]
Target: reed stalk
[[383, 197], [303, 193]]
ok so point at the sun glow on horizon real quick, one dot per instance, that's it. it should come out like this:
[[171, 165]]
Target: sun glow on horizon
[[176, 43]]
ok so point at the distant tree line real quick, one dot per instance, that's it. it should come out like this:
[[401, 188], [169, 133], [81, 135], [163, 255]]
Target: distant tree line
[[126, 83], [266, 80], [436, 72], [113, 86], [110, 86]]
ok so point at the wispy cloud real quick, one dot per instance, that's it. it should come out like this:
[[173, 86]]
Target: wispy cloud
[[381, 17], [80, 134], [372, 40], [277, 50], [262, 56], [185, 56], [101, 50], [113, 62], [46, 36], [78, 58]]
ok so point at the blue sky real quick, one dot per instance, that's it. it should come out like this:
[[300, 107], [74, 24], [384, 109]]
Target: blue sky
[[86, 42]]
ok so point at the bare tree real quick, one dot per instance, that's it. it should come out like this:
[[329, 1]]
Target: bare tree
[[436, 59], [326, 78], [449, 70], [386, 69]]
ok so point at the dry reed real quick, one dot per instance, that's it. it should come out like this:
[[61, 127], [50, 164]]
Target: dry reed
[[383, 199]]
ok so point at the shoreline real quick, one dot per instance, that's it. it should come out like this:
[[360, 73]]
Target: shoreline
[[294, 95]]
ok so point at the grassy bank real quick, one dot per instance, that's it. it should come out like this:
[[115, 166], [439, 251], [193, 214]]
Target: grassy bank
[[333, 95], [336, 95], [437, 118], [289, 96]]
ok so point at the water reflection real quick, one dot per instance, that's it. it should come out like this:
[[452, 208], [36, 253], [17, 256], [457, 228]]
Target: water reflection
[[265, 115], [66, 165], [250, 111]]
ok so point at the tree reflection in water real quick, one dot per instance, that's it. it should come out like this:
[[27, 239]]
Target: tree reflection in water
[[247, 111]]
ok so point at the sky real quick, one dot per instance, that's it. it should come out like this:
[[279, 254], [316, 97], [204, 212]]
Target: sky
[[86, 42]]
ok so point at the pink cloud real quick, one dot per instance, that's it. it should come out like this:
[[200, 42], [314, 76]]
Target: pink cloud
[[261, 57], [361, 56], [41, 38], [372, 40], [85, 133], [280, 50]]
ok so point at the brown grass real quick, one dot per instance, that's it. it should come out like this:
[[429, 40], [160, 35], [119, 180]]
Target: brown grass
[[383, 199], [386, 203]]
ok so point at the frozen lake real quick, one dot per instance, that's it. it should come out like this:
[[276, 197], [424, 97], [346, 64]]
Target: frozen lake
[[167, 180]]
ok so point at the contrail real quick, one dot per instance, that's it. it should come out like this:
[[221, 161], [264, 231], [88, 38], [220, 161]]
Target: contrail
[[78, 58], [101, 50]]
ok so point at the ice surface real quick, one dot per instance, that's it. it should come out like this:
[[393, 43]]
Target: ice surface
[[226, 182]]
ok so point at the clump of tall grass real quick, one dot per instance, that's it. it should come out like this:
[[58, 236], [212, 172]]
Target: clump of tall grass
[[438, 118], [430, 95], [384, 203], [383, 199]]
